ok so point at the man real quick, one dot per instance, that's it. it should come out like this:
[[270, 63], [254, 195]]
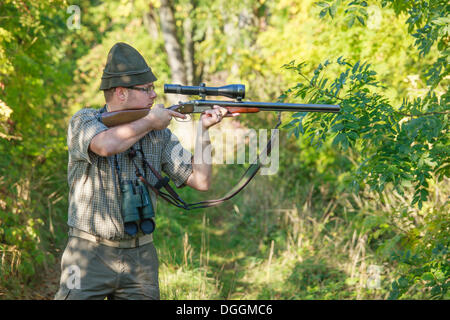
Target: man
[[105, 256]]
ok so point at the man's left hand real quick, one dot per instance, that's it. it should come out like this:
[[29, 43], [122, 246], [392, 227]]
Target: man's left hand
[[215, 115]]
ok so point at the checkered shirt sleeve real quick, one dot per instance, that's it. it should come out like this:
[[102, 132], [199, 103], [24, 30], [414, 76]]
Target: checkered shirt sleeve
[[83, 126]]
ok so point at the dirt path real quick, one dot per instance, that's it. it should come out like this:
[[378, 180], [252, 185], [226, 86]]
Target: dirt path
[[49, 283]]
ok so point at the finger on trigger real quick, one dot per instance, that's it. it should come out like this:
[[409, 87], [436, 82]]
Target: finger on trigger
[[177, 114]]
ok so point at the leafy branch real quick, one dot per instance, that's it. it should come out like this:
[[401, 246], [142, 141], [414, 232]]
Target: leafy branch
[[392, 149], [427, 21]]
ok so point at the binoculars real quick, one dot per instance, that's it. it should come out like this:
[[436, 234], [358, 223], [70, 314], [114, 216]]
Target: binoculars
[[137, 208]]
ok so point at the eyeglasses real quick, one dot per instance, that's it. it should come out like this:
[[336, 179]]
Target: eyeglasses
[[148, 90]]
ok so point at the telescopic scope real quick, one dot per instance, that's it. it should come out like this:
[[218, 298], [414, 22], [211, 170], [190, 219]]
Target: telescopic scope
[[234, 91]]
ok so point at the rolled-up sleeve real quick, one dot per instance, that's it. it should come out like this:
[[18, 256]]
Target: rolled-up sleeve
[[176, 161], [83, 127]]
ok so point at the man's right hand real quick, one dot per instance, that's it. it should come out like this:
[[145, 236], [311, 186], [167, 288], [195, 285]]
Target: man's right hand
[[160, 117]]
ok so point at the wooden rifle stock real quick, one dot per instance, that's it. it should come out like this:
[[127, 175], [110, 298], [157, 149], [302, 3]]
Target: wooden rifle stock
[[232, 110], [115, 118]]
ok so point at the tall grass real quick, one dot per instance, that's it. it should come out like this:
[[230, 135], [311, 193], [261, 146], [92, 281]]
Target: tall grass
[[33, 215], [275, 240], [268, 244]]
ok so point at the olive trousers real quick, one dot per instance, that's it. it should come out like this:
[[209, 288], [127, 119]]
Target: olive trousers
[[90, 270]]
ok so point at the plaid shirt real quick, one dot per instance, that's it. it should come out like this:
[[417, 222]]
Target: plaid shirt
[[94, 195]]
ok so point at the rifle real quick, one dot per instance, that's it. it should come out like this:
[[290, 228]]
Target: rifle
[[234, 91]]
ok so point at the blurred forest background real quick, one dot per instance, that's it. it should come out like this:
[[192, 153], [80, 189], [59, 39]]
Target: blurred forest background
[[359, 206]]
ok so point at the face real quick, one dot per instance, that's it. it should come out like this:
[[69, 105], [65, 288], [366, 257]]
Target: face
[[137, 99]]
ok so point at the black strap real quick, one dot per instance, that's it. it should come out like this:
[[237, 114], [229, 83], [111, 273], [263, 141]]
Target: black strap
[[162, 183], [173, 198]]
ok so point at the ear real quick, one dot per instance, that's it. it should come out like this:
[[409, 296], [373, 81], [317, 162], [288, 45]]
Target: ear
[[121, 93]]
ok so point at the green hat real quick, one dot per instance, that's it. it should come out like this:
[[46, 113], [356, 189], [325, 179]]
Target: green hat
[[125, 67]]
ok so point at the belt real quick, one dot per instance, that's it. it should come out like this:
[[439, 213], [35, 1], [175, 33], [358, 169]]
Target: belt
[[123, 244]]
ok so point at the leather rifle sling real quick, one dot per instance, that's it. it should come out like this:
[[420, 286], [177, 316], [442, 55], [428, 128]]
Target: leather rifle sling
[[173, 198]]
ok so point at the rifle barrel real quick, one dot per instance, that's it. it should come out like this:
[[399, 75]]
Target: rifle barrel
[[198, 106]]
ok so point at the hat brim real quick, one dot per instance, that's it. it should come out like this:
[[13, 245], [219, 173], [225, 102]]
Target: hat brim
[[128, 80]]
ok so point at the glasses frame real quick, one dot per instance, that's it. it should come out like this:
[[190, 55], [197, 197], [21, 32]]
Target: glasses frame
[[147, 90]]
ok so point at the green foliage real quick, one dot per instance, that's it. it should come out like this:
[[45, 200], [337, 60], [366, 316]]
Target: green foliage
[[403, 147], [367, 186], [427, 21], [398, 146], [32, 72]]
